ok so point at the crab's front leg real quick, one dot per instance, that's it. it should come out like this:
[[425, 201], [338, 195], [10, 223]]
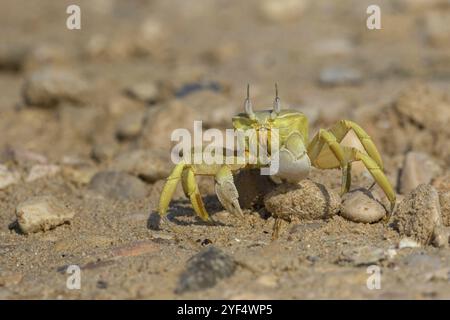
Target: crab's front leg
[[225, 189], [293, 162]]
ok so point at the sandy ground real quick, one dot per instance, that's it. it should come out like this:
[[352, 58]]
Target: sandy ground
[[139, 69]]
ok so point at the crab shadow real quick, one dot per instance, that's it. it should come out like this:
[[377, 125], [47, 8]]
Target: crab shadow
[[181, 208]]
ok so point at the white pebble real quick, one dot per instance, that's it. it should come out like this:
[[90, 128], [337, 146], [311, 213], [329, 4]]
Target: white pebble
[[41, 214], [408, 243]]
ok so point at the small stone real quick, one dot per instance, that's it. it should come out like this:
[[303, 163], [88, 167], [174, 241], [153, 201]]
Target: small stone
[[221, 53], [130, 125], [8, 177], [418, 168], [79, 174], [340, 75], [408, 243], [145, 92], [118, 185], [149, 165], [418, 214], [151, 36], [362, 256], [42, 214], [282, 10], [119, 105], [441, 237], [48, 87], [361, 206], [39, 171], [104, 151], [205, 269], [306, 200], [268, 280]]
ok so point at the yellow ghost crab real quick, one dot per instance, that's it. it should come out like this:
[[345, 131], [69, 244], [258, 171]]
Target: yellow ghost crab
[[296, 154]]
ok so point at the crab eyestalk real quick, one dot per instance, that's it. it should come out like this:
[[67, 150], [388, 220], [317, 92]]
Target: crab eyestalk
[[276, 103], [248, 104]]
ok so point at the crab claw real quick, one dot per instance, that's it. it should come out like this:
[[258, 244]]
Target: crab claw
[[226, 191]]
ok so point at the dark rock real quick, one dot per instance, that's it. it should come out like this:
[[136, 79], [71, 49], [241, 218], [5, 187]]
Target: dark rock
[[118, 185], [205, 269]]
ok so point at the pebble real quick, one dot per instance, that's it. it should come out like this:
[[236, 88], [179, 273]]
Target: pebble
[[419, 214], [306, 200], [49, 86], [145, 91], [8, 177], [441, 237], [418, 168], [268, 280], [104, 151], [119, 105], [340, 75], [79, 174], [282, 10], [205, 269], [130, 125], [408, 243], [118, 185], [39, 171], [149, 165], [42, 214], [360, 206], [362, 256]]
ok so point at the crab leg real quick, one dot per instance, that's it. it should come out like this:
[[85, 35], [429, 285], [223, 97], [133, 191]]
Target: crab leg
[[340, 130], [319, 153], [375, 170], [321, 157], [169, 188], [190, 188]]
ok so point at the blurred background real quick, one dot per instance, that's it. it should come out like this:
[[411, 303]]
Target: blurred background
[[131, 59], [78, 104]]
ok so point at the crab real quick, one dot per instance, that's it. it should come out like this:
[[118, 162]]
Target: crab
[[296, 156]]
